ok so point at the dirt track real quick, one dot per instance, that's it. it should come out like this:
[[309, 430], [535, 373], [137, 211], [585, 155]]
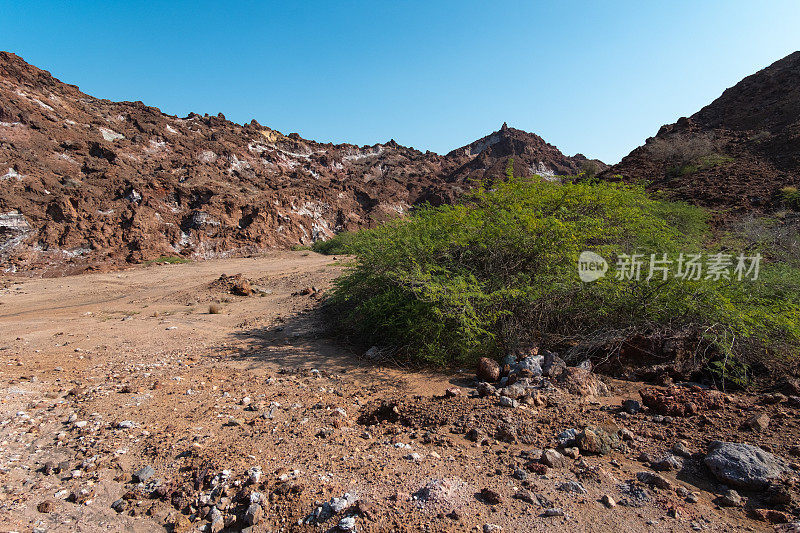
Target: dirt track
[[110, 372]]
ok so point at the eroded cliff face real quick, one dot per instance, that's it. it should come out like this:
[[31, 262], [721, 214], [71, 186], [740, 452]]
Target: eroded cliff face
[[90, 181]]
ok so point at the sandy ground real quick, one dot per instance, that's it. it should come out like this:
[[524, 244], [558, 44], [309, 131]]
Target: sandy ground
[[103, 374]]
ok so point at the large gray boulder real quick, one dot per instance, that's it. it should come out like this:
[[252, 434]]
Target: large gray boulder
[[743, 465]]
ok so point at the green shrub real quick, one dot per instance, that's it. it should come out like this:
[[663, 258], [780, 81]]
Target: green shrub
[[338, 245], [500, 271], [791, 197], [169, 260], [702, 163]]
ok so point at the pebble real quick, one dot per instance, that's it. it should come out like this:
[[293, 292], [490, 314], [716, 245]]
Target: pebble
[[143, 474], [681, 449], [608, 501], [730, 498], [253, 514], [505, 401], [572, 486], [554, 511], [347, 523], [491, 528], [631, 407]]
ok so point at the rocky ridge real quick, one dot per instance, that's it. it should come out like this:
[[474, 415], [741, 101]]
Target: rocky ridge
[[90, 181], [740, 151]]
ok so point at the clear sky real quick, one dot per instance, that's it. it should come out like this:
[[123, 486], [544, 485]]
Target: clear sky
[[596, 77]]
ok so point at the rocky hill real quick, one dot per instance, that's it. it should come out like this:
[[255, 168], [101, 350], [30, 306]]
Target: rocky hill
[[740, 151], [86, 181]]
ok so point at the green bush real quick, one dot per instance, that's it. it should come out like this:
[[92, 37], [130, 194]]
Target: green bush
[[791, 197], [500, 271], [169, 260], [338, 245]]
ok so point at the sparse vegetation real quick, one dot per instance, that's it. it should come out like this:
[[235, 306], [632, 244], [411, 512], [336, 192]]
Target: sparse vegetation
[[685, 154], [499, 272], [791, 198], [168, 260]]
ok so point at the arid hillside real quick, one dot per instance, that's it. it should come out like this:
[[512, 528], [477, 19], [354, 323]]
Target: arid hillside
[[86, 181], [740, 151]]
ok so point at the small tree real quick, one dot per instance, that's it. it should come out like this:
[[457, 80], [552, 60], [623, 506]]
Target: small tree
[[510, 169]]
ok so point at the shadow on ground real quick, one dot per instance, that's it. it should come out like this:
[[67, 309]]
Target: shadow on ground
[[301, 341]]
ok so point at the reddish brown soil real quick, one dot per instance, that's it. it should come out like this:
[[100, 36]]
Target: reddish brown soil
[[159, 381]]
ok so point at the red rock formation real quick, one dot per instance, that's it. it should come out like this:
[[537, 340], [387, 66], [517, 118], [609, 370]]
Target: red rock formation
[[99, 181]]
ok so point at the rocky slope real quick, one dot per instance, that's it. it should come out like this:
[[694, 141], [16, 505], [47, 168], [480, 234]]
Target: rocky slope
[[739, 151], [85, 180]]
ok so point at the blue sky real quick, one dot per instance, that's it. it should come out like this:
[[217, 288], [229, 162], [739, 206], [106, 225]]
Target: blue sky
[[596, 77]]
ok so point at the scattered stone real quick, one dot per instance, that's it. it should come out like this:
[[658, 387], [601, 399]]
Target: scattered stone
[[476, 435], [254, 475], [490, 496], [758, 423], [347, 523], [654, 480], [536, 468], [552, 364], [553, 459], [520, 474], [572, 486], [524, 496], [581, 382], [778, 495], [596, 440], [681, 449], [488, 370], [513, 391], [143, 474], [253, 514], [567, 437], [506, 433], [608, 501], [681, 401], [730, 498], [491, 528], [46, 506], [340, 504], [554, 511], [505, 401], [572, 453], [743, 465], [667, 464], [631, 407], [486, 389], [770, 515], [217, 521]]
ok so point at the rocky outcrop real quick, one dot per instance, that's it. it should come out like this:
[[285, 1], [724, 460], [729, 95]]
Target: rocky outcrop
[[739, 151], [101, 181]]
